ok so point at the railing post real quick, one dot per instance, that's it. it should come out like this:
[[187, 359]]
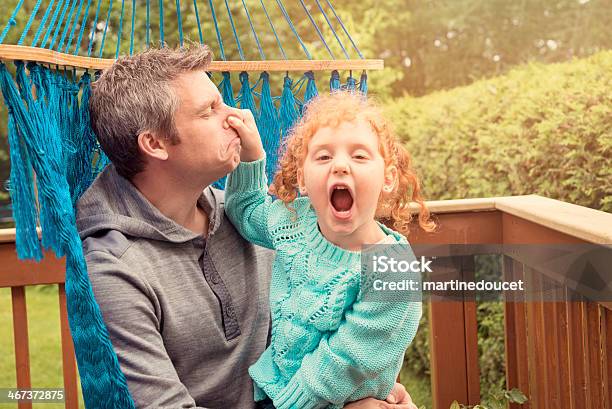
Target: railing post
[[455, 373], [22, 350], [607, 356], [517, 366], [577, 354], [68, 357]]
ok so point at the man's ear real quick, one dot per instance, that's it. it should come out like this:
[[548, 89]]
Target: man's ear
[[390, 182], [300, 180], [152, 145]]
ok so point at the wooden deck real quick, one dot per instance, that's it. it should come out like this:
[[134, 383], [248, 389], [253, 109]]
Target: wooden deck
[[557, 353]]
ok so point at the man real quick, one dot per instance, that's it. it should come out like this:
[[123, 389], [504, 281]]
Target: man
[[184, 297]]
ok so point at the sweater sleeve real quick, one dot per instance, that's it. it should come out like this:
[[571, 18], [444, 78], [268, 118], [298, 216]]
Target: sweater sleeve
[[135, 332], [367, 349], [247, 203]]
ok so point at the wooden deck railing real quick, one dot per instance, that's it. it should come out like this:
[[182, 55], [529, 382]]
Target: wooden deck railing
[[18, 274], [558, 354]]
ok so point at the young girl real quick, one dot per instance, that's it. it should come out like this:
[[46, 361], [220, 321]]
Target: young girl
[[329, 344]]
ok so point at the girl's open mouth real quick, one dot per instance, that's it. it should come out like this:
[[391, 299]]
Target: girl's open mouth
[[341, 201]]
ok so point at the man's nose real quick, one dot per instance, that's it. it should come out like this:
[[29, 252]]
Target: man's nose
[[232, 111], [226, 109]]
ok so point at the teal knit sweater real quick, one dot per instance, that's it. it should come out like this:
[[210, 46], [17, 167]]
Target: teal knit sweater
[[329, 346]]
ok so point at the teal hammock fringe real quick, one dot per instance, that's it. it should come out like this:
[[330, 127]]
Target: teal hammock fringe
[[48, 93], [351, 83], [363, 84], [269, 126], [311, 87], [85, 144], [22, 194], [71, 145], [288, 114], [226, 90], [246, 96], [102, 381], [334, 82], [36, 108]]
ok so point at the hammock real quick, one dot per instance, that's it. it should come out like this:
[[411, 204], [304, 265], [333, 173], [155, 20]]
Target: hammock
[[54, 153]]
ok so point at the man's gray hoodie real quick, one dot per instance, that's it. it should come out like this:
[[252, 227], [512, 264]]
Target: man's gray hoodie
[[187, 315]]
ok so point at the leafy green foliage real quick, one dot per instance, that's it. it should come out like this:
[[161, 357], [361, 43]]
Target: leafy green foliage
[[418, 356], [441, 44], [498, 400], [541, 129], [491, 347]]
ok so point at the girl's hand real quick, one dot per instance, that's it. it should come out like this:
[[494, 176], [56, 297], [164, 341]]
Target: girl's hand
[[371, 403], [243, 122], [398, 399], [400, 395]]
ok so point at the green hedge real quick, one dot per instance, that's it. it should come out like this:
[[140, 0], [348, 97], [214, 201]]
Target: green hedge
[[542, 129]]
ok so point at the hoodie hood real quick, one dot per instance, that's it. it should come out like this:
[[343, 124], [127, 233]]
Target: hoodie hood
[[114, 203]]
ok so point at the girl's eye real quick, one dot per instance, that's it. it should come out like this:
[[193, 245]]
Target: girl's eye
[[360, 157], [323, 157]]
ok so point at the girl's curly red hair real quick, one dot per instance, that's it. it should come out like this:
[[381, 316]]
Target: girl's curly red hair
[[331, 111]]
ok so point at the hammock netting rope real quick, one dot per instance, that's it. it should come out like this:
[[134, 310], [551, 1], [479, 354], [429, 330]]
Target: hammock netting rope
[[55, 155]]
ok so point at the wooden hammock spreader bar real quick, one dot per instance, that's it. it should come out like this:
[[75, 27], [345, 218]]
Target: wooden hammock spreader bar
[[43, 55]]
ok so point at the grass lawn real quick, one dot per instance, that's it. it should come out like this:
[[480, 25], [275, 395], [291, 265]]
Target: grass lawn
[[46, 354]]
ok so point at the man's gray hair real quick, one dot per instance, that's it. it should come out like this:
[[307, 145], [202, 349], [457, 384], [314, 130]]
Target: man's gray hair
[[135, 95]]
